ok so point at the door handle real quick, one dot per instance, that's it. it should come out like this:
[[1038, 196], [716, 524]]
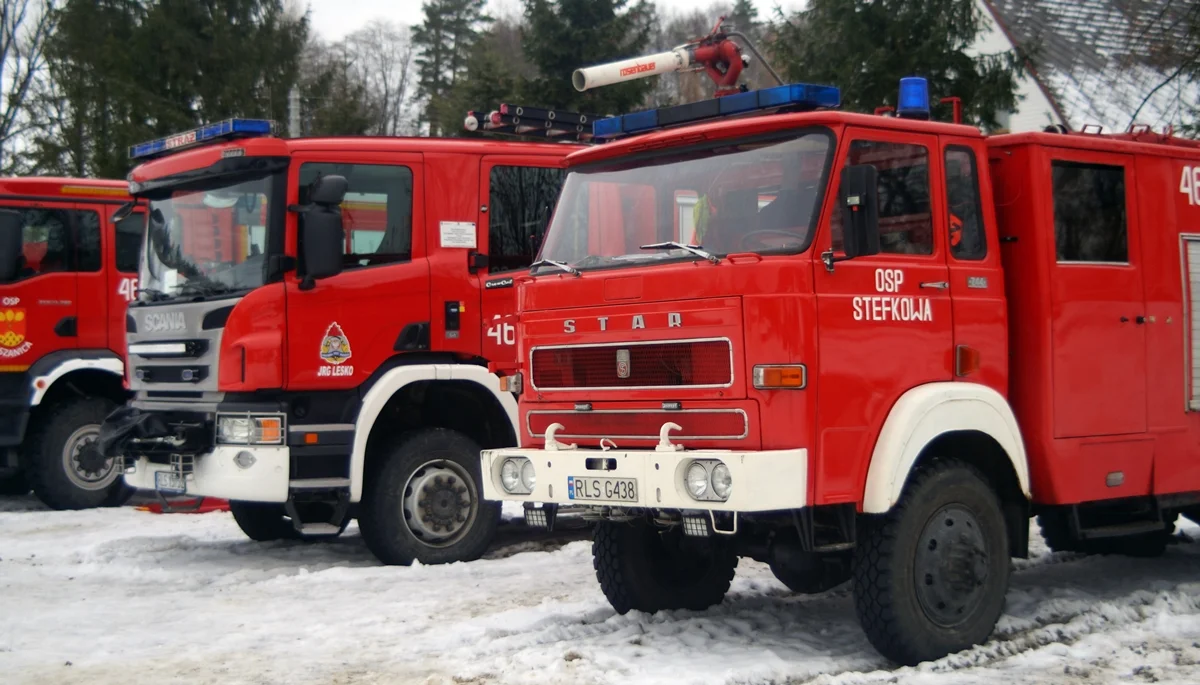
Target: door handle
[[936, 285], [1140, 320]]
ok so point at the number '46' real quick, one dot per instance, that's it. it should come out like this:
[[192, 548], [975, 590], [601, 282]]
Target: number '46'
[[1189, 184], [505, 334], [128, 289]]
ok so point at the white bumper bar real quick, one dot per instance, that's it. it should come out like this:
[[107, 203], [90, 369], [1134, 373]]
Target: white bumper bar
[[762, 481], [216, 474]]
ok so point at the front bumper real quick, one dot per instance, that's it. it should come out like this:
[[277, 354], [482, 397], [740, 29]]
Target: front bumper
[[218, 474], [770, 480]]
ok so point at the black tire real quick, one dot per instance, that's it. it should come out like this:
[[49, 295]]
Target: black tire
[[817, 575], [262, 521], [439, 469], [650, 569], [73, 426], [1056, 530], [14, 484], [923, 588]]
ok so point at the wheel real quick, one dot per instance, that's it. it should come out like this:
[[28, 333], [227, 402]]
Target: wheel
[[14, 484], [930, 575], [422, 501], [267, 521], [649, 569], [1056, 529], [813, 573], [63, 462]]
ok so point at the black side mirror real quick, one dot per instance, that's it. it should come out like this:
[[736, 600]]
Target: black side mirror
[[323, 238], [859, 200], [12, 254], [328, 191]]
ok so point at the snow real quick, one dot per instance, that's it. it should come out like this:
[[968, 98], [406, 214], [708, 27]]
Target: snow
[[121, 595]]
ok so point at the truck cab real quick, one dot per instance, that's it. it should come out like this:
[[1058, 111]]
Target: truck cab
[[762, 327], [315, 327], [62, 335]]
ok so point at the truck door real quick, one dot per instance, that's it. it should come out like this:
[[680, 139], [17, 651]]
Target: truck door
[[884, 322], [122, 267], [343, 328], [45, 293], [1098, 333], [518, 195], [89, 325]]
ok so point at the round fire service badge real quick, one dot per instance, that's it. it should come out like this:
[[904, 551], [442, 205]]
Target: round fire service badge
[[335, 350]]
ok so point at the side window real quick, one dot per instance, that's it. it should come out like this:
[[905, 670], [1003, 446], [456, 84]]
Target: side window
[[519, 205], [967, 239], [87, 241], [1089, 212], [46, 241], [905, 220], [377, 211], [129, 242]]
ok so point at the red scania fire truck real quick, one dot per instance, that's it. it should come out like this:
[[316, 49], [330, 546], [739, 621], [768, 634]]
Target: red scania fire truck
[[859, 346], [328, 358], [67, 272]]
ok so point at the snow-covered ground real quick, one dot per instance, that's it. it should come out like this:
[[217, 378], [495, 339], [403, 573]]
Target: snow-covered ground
[[123, 596]]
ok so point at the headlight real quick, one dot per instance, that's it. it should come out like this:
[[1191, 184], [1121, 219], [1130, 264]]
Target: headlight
[[510, 475], [697, 480], [249, 429], [722, 481], [528, 477]]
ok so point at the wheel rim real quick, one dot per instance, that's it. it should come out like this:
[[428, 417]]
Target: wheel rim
[[951, 566], [83, 463], [439, 503]]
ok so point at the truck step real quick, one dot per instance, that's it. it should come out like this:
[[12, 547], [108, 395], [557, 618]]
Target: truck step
[[319, 529], [319, 483], [1121, 529]]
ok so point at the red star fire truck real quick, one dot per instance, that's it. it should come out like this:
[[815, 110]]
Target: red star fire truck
[[315, 322], [67, 272], [857, 346]]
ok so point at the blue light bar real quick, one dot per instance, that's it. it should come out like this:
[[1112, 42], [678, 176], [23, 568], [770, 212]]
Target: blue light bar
[[914, 98], [796, 97], [222, 130]]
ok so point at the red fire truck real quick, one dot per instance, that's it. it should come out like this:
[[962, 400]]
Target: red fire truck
[[859, 346], [67, 272], [315, 326]]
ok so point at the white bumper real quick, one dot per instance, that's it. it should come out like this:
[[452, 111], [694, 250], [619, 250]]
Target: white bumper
[[217, 475], [762, 481]]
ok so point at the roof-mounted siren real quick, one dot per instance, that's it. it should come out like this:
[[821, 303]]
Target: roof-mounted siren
[[914, 98], [230, 129]]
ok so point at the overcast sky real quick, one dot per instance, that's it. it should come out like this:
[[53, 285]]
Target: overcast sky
[[333, 19]]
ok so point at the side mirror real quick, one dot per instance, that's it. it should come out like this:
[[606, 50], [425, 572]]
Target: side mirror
[[324, 239], [11, 245], [328, 191], [859, 200]]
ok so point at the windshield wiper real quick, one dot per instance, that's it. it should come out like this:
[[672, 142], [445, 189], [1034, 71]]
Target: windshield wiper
[[563, 266], [694, 249], [155, 295], [203, 288]]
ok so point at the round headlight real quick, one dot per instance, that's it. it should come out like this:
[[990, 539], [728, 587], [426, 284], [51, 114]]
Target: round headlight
[[528, 477], [697, 480], [722, 481], [510, 475]]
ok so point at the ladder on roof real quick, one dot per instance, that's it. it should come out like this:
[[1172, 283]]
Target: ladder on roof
[[532, 122]]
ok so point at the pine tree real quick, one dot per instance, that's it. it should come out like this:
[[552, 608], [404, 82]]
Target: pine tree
[[866, 46], [446, 39], [563, 35]]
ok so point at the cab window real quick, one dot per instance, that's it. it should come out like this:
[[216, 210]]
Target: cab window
[[1089, 212], [377, 211], [46, 241], [905, 219], [520, 202], [87, 240], [967, 239], [129, 242]]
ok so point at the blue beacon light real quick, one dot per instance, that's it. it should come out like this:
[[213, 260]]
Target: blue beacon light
[[914, 98]]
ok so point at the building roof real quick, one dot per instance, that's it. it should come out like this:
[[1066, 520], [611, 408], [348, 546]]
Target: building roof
[[1099, 59]]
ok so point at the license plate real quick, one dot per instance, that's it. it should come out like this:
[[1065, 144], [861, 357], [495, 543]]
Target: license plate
[[602, 489], [171, 483]]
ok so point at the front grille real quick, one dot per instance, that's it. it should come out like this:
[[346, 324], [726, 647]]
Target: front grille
[[726, 424], [672, 364]]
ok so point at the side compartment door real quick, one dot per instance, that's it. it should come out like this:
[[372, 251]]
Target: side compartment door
[[343, 328], [45, 290], [520, 193], [884, 322], [122, 267], [1098, 331]]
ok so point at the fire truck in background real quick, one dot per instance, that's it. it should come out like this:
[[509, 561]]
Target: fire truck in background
[[927, 337], [67, 272], [329, 359]]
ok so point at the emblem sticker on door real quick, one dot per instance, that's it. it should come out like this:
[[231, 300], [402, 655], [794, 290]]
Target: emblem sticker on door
[[12, 332], [335, 351]]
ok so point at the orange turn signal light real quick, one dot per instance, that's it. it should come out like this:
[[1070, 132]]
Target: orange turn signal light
[[780, 376], [270, 430], [966, 360]]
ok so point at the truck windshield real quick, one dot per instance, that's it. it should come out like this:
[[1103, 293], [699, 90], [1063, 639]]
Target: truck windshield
[[744, 196], [210, 240]]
